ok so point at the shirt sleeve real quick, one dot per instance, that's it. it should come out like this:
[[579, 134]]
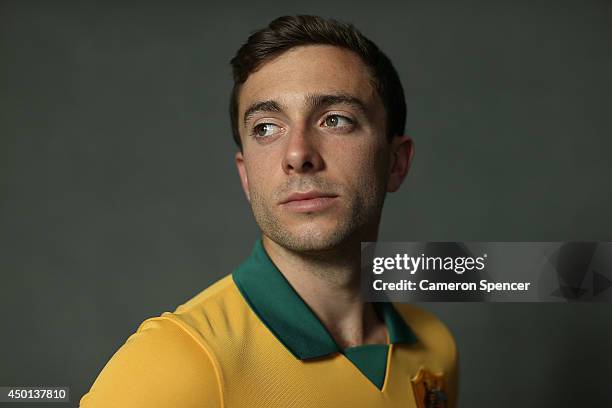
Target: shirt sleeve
[[161, 365]]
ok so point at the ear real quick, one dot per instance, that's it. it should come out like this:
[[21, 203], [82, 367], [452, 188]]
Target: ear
[[244, 179], [402, 150]]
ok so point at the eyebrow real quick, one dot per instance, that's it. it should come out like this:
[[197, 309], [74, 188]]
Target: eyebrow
[[262, 106], [313, 101]]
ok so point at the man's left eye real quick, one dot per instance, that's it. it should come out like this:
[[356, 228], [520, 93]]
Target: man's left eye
[[337, 121]]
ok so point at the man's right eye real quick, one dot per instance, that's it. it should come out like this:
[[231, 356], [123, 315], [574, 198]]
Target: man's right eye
[[265, 130]]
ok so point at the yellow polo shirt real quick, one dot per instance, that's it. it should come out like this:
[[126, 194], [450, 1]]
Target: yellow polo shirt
[[249, 340]]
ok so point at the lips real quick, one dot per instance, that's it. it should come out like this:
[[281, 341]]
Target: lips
[[308, 202], [307, 196]]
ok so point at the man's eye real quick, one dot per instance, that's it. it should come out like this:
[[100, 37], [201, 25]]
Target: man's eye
[[337, 121], [265, 130]]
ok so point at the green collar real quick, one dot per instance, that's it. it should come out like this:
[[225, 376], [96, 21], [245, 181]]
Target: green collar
[[289, 318]]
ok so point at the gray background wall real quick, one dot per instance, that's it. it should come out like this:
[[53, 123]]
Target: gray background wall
[[119, 199]]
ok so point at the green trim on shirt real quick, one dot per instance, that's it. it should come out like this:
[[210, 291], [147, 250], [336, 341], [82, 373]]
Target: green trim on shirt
[[295, 325], [371, 360]]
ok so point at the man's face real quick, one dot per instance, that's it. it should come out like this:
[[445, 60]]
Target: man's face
[[316, 162]]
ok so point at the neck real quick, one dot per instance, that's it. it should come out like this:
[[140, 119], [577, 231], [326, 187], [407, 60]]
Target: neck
[[329, 284]]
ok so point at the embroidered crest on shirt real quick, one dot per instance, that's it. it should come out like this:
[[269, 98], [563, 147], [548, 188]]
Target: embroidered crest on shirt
[[428, 389]]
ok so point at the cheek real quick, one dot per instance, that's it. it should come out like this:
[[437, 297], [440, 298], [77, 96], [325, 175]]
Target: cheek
[[256, 181], [363, 163], [260, 172]]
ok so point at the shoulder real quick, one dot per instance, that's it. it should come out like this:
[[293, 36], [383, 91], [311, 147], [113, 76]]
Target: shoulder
[[422, 321], [160, 365], [168, 360], [213, 314], [430, 331]]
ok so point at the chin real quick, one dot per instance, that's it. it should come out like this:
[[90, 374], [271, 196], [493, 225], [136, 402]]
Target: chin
[[312, 238]]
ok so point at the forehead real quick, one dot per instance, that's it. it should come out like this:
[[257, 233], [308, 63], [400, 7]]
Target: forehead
[[306, 70]]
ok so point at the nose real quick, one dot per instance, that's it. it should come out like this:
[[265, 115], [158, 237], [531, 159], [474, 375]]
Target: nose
[[302, 153]]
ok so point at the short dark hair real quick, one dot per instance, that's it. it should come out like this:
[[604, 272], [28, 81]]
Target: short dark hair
[[291, 31]]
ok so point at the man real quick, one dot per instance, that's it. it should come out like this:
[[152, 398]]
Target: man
[[318, 114]]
